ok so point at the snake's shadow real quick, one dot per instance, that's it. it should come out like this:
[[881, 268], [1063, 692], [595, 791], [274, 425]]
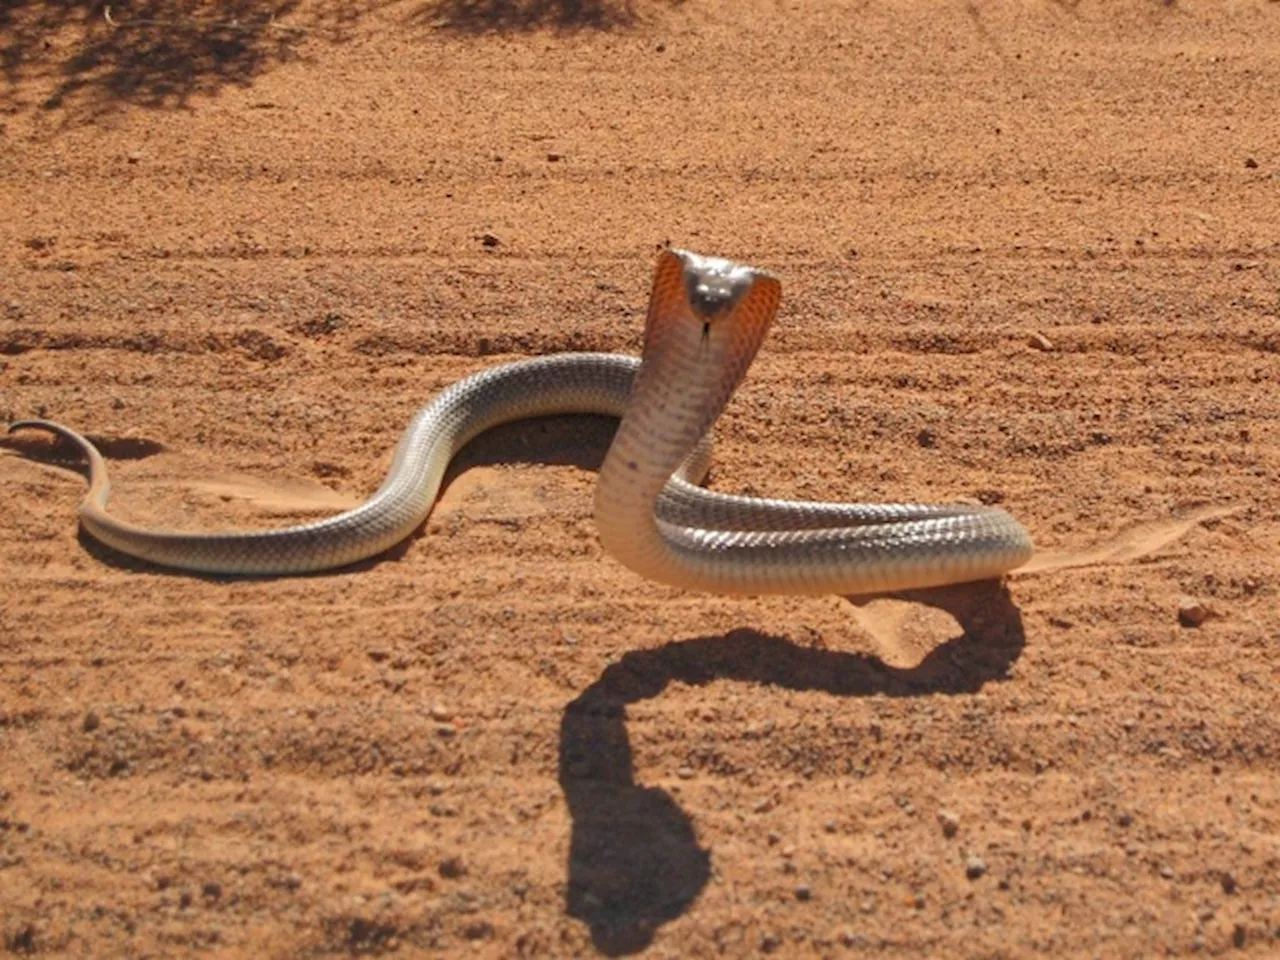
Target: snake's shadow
[[634, 860]]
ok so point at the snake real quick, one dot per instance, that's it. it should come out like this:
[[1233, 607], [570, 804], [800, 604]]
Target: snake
[[706, 321]]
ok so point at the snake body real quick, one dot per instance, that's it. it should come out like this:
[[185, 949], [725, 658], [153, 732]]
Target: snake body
[[707, 318]]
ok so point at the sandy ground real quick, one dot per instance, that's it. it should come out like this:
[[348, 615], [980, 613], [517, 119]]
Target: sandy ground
[[1029, 256]]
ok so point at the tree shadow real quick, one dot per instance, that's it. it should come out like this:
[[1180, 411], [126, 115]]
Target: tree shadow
[[512, 16], [89, 57], [634, 859], [152, 53]]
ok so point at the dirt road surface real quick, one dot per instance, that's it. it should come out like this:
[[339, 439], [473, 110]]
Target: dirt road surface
[[1029, 255]]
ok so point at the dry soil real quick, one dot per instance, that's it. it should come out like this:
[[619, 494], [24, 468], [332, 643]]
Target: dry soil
[[1029, 254]]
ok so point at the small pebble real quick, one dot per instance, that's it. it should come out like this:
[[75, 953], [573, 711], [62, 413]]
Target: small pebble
[[804, 892], [685, 773], [452, 868], [1228, 884], [91, 722], [1251, 163], [1193, 612], [489, 240], [1238, 936], [950, 823], [440, 713], [212, 890], [1039, 341], [975, 867]]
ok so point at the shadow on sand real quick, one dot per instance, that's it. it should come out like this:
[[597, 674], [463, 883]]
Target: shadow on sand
[[634, 861], [92, 57]]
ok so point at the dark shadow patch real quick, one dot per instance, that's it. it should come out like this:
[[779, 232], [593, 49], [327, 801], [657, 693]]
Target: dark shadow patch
[[151, 53], [574, 440], [634, 859], [89, 58], [513, 16]]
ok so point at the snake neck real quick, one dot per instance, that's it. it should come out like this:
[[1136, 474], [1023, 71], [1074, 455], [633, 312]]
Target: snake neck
[[670, 409], [707, 318]]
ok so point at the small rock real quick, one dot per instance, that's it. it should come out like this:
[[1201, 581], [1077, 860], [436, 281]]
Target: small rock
[[1228, 884], [660, 47], [91, 722], [489, 240], [441, 713], [1038, 341], [804, 892], [452, 868], [950, 823], [1250, 163], [478, 930], [1125, 820], [830, 826], [927, 439], [212, 890], [133, 156], [21, 940], [1238, 935], [763, 806], [770, 942], [685, 773], [975, 867], [554, 157], [1193, 612]]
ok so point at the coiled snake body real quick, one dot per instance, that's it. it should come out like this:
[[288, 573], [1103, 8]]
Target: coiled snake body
[[707, 318]]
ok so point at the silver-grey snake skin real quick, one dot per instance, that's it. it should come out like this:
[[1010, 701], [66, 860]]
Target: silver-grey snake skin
[[707, 318]]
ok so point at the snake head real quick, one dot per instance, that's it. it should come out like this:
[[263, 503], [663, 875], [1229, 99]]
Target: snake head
[[713, 285]]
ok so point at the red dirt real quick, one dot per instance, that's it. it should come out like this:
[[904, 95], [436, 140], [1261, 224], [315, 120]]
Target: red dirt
[[241, 257]]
